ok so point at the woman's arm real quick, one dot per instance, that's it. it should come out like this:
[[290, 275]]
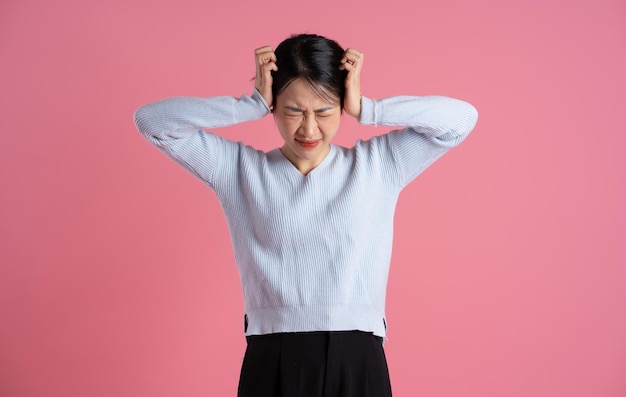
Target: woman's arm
[[448, 120], [431, 126], [167, 121], [176, 126], [444, 118]]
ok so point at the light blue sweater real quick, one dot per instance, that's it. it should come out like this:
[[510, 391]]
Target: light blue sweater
[[313, 251]]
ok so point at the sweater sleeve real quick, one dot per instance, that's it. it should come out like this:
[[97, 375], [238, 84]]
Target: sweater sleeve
[[432, 126], [176, 126]]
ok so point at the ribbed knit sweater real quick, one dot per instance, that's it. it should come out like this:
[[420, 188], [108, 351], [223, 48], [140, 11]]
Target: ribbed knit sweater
[[313, 251]]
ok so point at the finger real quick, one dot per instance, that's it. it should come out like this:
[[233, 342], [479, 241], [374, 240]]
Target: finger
[[352, 54], [264, 60], [346, 66], [266, 56], [352, 57], [263, 49], [350, 66], [266, 67]]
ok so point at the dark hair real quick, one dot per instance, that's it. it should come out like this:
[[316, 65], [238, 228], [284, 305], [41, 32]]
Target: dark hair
[[313, 58]]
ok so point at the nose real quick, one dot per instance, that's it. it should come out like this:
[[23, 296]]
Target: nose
[[309, 125]]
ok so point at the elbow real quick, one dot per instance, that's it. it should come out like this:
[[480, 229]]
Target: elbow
[[466, 121], [141, 119], [473, 116], [468, 118]]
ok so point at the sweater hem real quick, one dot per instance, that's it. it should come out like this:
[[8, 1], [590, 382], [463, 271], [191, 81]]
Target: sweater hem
[[310, 318]]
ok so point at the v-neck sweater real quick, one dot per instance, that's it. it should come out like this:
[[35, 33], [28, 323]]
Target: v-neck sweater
[[313, 251]]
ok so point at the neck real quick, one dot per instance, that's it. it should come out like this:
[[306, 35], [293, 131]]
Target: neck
[[302, 165]]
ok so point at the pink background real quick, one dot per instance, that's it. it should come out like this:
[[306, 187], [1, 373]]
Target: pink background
[[508, 278]]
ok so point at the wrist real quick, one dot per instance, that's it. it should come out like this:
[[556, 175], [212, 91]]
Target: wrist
[[354, 108]]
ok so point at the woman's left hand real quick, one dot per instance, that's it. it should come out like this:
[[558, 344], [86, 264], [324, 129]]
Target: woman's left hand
[[352, 62]]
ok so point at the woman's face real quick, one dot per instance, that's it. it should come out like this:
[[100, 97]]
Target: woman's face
[[307, 124]]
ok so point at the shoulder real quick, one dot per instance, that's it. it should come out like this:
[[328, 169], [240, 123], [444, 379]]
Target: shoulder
[[374, 155], [376, 147]]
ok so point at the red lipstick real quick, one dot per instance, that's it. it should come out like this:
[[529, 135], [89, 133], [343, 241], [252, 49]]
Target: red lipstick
[[308, 144]]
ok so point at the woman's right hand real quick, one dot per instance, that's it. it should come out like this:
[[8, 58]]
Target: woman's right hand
[[265, 63]]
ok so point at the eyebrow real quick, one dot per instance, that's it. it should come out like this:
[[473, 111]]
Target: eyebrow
[[297, 109]]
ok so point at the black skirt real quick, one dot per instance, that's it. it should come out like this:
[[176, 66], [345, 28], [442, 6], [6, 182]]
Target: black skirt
[[315, 364]]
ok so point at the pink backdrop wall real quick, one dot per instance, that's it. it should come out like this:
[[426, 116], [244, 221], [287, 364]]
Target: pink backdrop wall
[[117, 275]]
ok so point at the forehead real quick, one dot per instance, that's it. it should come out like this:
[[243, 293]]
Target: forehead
[[300, 93]]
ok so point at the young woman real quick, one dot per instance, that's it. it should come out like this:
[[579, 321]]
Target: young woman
[[311, 223]]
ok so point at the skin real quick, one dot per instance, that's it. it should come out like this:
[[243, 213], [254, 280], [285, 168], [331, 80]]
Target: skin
[[307, 122]]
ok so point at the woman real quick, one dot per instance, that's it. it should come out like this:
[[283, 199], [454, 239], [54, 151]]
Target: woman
[[311, 223]]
